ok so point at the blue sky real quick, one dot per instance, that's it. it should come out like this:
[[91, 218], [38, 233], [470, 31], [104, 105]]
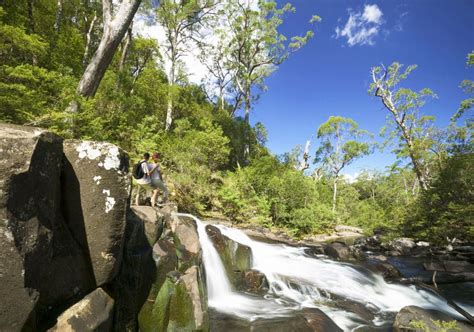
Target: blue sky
[[329, 76]]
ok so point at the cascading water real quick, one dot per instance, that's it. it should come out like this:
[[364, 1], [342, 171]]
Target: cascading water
[[297, 281]]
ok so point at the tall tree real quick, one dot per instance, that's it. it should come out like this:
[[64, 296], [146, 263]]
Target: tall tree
[[181, 21], [413, 129], [255, 46], [339, 147], [115, 25]]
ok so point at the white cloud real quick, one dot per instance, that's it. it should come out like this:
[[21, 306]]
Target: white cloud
[[362, 27]]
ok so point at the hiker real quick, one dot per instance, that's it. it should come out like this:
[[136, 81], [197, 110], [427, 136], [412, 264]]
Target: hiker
[[142, 172], [157, 180]]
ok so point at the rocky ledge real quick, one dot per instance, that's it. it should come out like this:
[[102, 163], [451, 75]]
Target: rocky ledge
[[75, 257]]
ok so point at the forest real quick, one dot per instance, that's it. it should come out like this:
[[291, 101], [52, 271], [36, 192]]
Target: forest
[[80, 69]]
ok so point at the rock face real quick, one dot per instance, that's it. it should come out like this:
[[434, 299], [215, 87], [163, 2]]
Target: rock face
[[93, 313], [338, 250], [65, 228], [37, 249], [97, 199], [412, 318], [178, 298]]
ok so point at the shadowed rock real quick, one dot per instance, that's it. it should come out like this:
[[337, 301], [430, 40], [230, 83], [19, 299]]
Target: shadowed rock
[[96, 173], [42, 269], [410, 315]]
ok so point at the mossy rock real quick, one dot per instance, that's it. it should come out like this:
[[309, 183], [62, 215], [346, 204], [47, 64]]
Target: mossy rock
[[154, 316]]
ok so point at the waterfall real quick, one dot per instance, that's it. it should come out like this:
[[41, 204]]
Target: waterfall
[[297, 281]]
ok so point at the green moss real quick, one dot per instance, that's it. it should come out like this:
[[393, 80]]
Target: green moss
[[181, 310], [155, 316]]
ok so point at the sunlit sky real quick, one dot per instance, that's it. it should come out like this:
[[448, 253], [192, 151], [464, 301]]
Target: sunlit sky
[[331, 74]]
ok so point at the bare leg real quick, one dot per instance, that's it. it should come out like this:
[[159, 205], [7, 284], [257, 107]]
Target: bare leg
[[153, 197]]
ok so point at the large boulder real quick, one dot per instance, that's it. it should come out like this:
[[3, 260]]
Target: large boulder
[[153, 312], [413, 318], [253, 281], [180, 305], [152, 218], [402, 246], [93, 313], [188, 305], [310, 319], [186, 240], [95, 202], [41, 267], [339, 251]]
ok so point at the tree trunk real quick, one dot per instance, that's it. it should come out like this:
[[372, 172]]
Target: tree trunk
[[59, 14], [334, 196], [126, 46], [169, 108], [247, 98], [114, 30], [88, 41]]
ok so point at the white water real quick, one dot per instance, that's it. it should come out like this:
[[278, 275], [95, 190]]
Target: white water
[[298, 281]]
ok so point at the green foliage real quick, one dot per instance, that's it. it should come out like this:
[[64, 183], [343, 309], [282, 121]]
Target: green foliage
[[440, 326], [447, 208]]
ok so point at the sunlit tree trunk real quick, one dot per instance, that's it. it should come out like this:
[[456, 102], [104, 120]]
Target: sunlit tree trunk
[[114, 30]]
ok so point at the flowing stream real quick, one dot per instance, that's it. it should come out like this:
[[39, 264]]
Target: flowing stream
[[297, 280]]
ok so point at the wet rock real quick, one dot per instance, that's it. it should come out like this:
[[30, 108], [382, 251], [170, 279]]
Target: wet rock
[[154, 315], [37, 250], [450, 266], [410, 317], [338, 250], [254, 282], [152, 219], [135, 278], [188, 305], [93, 313], [380, 265], [236, 257], [95, 202], [310, 319], [186, 240]]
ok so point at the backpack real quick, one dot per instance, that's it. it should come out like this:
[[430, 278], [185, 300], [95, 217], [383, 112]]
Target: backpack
[[138, 170]]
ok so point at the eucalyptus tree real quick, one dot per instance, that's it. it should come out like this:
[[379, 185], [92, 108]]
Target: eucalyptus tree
[[339, 147], [115, 24], [181, 20], [255, 47], [413, 130]]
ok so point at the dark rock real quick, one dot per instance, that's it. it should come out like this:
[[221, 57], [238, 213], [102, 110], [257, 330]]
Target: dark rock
[[338, 250], [95, 202], [236, 257], [93, 313], [450, 266], [414, 315], [41, 267], [186, 240], [314, 250], [310, 319], [135, 278], [188, 304], [387, 270], [254, 282], [153, 220]]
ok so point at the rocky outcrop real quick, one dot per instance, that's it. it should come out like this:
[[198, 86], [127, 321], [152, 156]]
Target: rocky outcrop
[[93, 313], [178, 299], [236, 258], [95, 202], [341, 251], [414, 318], [310, 319], [41, 265], [65, 229]]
